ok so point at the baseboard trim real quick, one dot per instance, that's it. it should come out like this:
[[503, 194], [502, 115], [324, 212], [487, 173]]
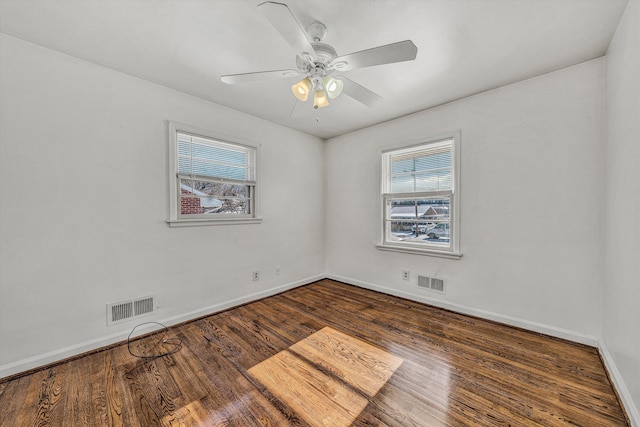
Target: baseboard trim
[[57, 356], [40, 361], [630, 408], [483, 314]]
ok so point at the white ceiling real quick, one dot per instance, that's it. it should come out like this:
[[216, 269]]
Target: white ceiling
[[464, 47]]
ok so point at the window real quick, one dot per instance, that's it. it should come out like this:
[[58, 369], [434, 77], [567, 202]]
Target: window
[[420, 198], [211, 180]]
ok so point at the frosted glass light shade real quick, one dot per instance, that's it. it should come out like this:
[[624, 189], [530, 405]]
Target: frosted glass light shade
[[320, 99], [302, 89], [332, 86]]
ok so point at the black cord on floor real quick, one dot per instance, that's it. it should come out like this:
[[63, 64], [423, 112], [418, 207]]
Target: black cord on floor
[[161, 347]]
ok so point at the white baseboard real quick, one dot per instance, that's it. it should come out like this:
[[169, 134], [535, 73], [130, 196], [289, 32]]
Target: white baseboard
[[484, 314], [87, 346], [70, 351], [618, 382]]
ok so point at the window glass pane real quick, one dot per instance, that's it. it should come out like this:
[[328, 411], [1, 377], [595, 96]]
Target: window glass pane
[[198, 205], [235, 206], [419, 209], [216, 189], [210, 206], [415, 231], [399, 231], [419, 221], [204, 198], [439, 234]]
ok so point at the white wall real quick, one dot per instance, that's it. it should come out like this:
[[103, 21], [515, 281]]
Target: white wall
[[83, 167], [83, 195], [621, 323], [531, 211]]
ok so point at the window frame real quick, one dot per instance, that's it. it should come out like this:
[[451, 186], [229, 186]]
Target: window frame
[[175, 218], [453, 250]]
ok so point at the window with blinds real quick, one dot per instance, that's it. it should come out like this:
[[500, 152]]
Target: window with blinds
[[419, 196], [213, 179]]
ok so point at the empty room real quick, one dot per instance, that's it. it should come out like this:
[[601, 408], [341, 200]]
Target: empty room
[[319, 213]]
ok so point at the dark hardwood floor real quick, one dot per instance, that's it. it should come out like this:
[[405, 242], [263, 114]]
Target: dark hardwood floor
[[326, 354]]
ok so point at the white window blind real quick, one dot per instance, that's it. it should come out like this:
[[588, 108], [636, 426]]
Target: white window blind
[[420, 169], [200, 157]]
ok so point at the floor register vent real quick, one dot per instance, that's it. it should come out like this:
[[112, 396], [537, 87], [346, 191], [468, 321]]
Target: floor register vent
[[122, 311], [431, 283]]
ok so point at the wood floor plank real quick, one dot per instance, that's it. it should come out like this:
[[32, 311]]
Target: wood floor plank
[[484, 361], [13, 398], [235, 397], [353, 361], [77, 403], [318, 398], [120, 401], [327, 354]]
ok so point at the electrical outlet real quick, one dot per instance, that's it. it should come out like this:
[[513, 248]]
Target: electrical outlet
[[277, 270], [406, 275], [256, 276]]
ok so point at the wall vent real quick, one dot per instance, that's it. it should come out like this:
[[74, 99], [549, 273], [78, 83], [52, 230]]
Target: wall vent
[[431, 283], [122, 311]]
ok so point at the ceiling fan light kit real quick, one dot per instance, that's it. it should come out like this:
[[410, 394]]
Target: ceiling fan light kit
[[322, 87], [332, 86], [316, 61], [320, 99], [302, 89]]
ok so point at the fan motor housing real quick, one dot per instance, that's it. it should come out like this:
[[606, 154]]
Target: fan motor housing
[[325, 53]]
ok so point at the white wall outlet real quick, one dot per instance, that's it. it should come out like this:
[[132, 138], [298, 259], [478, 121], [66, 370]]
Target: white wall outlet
[[406, 275], [256, 276], [277, 270]]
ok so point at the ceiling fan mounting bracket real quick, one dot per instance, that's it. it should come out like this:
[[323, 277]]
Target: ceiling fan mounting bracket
[[317, 31]]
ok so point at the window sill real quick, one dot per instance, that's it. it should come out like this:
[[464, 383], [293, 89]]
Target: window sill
[[205, 222], [416, 251]]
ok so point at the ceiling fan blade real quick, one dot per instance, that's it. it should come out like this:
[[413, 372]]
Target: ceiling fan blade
[[288, 26], [359, 93], [258, 76], [387, 54]]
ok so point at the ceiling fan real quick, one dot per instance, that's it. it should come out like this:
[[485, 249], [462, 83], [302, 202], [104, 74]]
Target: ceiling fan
[[318, 61]]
